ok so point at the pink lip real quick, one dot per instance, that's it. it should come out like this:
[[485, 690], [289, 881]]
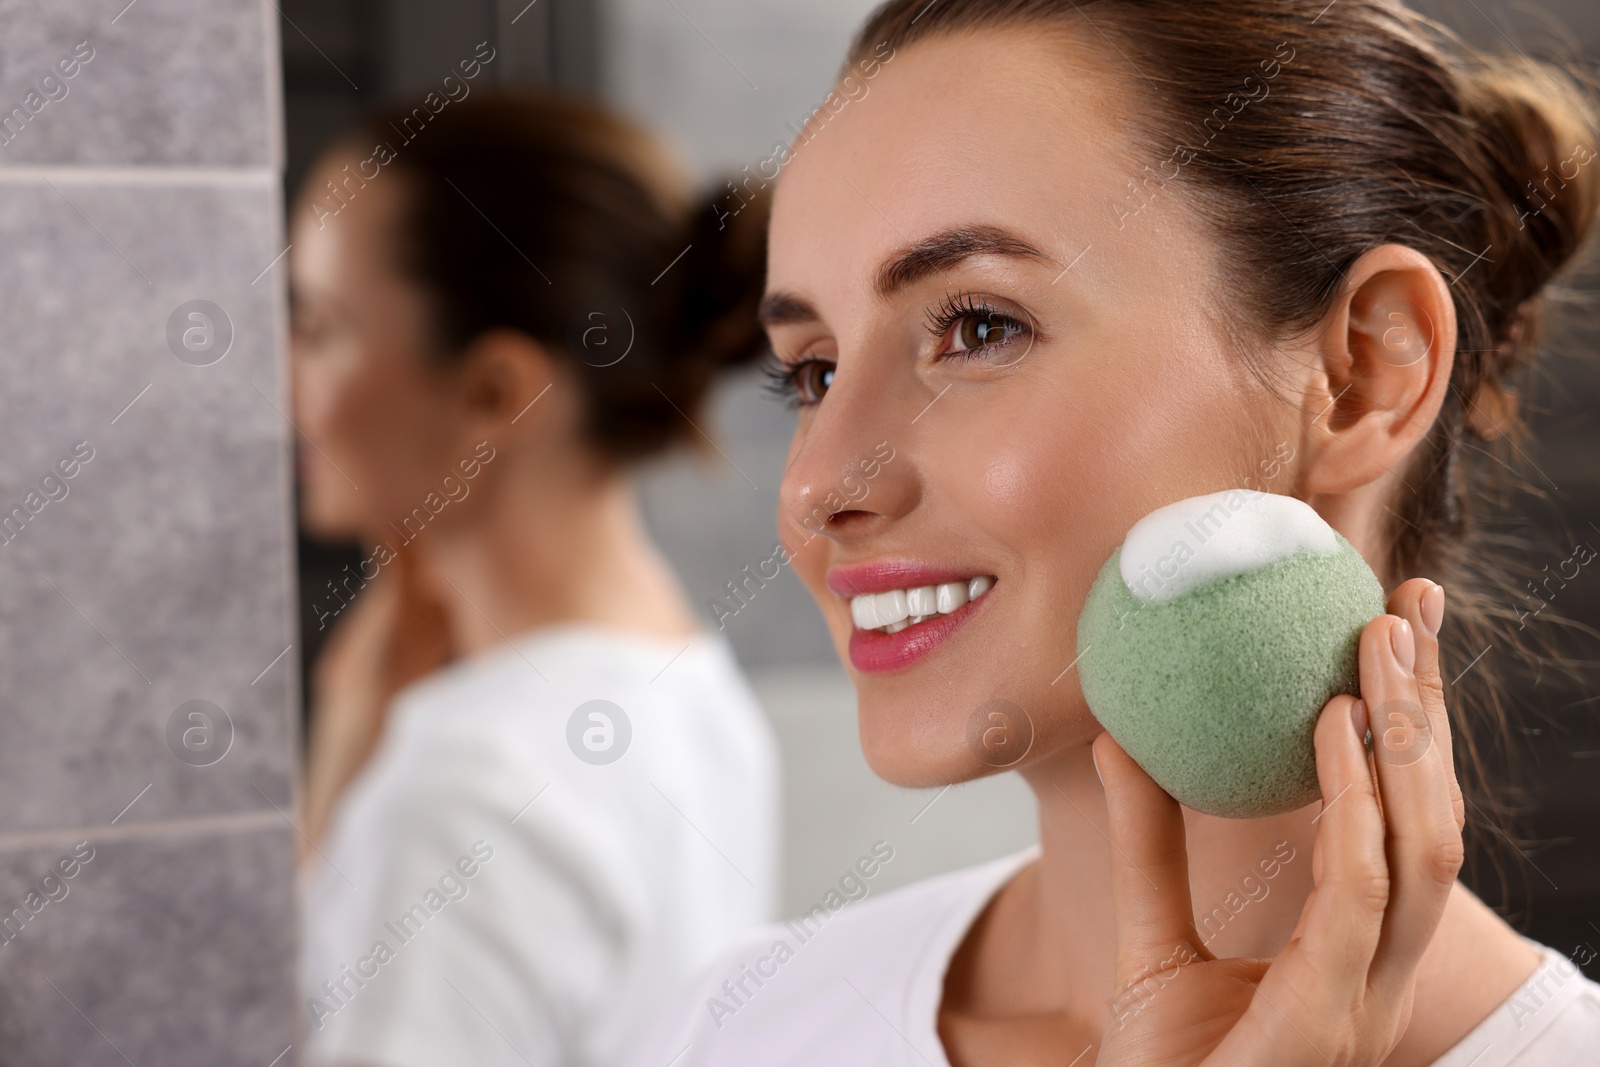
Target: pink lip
[[872, 652]]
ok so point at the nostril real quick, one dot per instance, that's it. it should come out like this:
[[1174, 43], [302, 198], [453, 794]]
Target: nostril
[[846, 519]]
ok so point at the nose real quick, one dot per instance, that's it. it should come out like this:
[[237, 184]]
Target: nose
[[851, 472]]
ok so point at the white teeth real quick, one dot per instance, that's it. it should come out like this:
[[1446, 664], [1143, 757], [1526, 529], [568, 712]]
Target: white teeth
[[894, 610], [950, 596], [877, 610], [891, 607], [921, 600]]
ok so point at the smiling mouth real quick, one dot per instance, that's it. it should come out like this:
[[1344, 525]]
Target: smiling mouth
[[891, 611]]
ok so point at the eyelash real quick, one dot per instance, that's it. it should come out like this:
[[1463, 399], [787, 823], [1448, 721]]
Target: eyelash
[[783, 378], [954, 309]]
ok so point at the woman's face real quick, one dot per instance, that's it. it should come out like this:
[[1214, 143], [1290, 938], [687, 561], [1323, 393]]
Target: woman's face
[[372, 401], [949, 280]]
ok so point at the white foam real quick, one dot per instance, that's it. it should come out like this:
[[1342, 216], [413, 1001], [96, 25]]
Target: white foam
[[1180, 548]]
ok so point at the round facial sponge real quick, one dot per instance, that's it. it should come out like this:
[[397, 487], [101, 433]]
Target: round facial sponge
[[1214, 636]]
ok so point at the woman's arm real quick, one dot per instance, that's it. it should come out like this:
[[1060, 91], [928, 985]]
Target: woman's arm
[[395, 634]]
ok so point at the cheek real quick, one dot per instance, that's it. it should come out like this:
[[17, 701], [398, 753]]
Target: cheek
[[381, 425], [1046, 491]]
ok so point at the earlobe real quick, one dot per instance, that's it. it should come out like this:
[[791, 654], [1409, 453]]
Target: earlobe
[[1385, 350]]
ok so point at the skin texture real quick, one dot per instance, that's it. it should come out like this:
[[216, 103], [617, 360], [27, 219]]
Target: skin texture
[[1029, 463], [547, 531]]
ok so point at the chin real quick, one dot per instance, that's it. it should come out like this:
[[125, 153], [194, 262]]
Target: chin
[[919, 744], [918, 736], [326, 520]]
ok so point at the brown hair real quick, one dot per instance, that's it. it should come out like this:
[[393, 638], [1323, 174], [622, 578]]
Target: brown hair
[[537, 214], [1368, 126]]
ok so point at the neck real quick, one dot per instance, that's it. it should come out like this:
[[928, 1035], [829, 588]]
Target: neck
[[542, 550], [1248, 881]]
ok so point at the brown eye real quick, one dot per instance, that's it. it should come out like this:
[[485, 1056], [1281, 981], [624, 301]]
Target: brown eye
[[978, 331], [812, 379]]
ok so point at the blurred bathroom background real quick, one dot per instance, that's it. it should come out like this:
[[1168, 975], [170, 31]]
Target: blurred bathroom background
[[725, 81]]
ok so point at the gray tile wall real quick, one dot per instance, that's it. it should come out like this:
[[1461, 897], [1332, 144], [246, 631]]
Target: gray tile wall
[[145, 854]]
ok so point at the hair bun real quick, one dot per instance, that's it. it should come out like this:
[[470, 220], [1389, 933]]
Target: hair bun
[[1536, 136], [717, 290], [1541, 170]]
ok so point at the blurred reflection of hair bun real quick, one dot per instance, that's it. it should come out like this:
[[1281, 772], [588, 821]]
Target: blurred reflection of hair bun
[[558, 219]]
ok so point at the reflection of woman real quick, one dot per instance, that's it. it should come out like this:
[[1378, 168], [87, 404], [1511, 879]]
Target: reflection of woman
[[983, 265], [489, 334]]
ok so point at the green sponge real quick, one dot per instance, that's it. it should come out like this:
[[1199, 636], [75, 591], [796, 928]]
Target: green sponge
[[1213, 637]]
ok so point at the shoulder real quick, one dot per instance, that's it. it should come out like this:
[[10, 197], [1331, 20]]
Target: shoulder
[[1552, 1020], [588, 786], [828, 978], [552, 705]]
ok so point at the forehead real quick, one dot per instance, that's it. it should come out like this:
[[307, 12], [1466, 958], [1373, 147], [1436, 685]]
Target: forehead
[[350, 229], [1016, 128]]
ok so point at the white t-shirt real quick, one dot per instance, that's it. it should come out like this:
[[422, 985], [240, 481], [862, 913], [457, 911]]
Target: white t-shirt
[[863, 984], [486, 895]]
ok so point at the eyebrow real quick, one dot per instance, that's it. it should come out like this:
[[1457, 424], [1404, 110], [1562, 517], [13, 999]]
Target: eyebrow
[[944, 250], [786, 309], [926, 257]]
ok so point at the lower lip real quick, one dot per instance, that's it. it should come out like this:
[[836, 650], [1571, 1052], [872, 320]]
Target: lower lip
[[875, 652]]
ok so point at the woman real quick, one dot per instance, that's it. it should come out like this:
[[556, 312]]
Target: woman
[[539, 792], [1073, 262]]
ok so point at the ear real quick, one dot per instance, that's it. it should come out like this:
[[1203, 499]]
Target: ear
[[511, 388], [1380, 369]]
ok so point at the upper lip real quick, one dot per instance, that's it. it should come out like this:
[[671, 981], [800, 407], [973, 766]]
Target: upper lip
[[880, 576]]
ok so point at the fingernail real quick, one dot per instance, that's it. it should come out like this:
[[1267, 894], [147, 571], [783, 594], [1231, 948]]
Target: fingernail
[[1358, 717], [1433, 609], [1095, 756], [1404, 645]]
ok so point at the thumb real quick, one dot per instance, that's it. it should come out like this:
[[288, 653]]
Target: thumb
[[1149, 869]]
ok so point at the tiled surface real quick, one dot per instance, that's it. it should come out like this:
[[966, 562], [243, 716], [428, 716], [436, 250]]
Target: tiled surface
[[167, 950], [169, 82], [159, 573], [160, 577]]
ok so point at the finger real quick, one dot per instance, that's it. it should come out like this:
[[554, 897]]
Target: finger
[[1342, 921], [1149, 869], [1423, 842], [1422, 603]]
